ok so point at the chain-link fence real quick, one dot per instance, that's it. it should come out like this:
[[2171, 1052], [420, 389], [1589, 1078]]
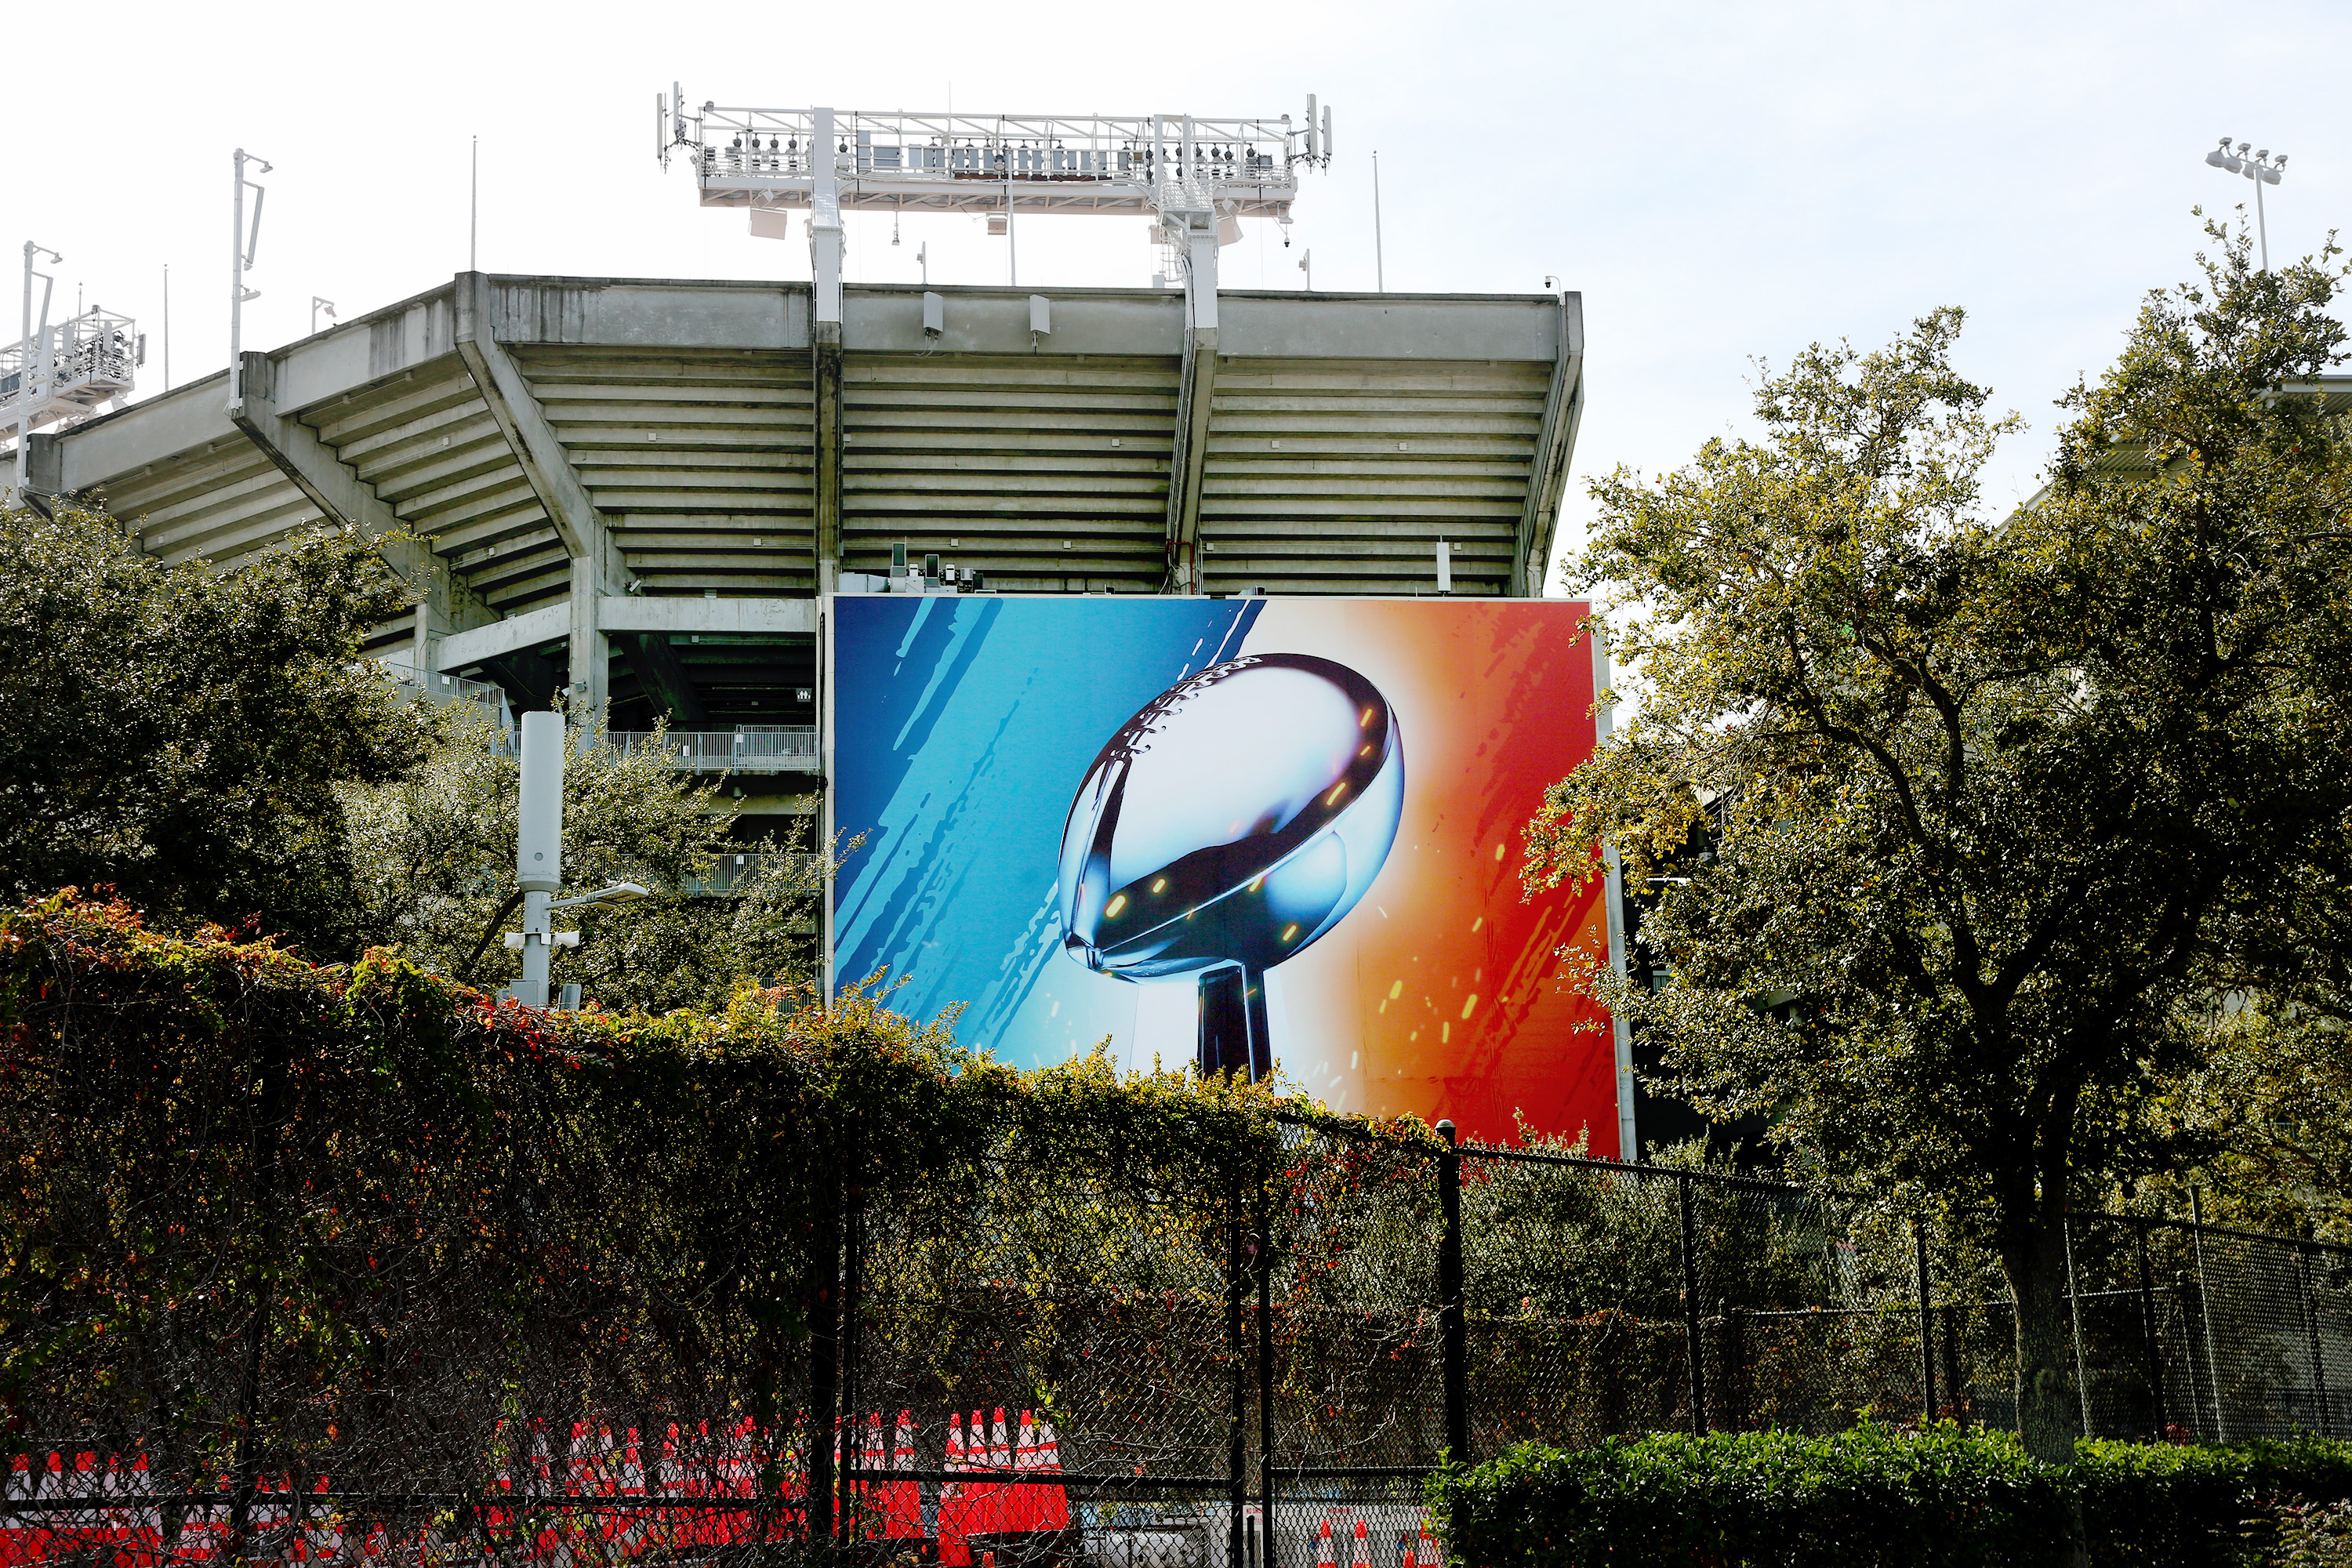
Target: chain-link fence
[[1246, 1359]]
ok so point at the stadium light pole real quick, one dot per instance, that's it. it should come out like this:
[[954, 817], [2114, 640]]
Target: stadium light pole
[[31, 373], [2262, 169], [242, 242]]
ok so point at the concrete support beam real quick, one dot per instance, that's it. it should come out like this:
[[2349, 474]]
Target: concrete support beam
[[826, 355], [826, 245], [44, 468], [445, 603], [631, 614], [1555, 445], [597, 564], [664, 678], [1196, 232], [536, 630], [1187, 458]]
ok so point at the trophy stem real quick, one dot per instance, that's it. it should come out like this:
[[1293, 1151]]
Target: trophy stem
[[1234, 1035]]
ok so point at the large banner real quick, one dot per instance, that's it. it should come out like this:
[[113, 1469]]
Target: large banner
[[1258, 834]]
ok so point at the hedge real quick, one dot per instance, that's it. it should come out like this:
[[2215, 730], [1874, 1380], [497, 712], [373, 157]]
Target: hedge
[[1946, 1496]]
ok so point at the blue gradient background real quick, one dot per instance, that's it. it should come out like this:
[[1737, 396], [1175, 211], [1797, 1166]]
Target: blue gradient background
[[960, 732]]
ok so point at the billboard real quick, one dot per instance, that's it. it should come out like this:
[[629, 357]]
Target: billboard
[[1249, 833]]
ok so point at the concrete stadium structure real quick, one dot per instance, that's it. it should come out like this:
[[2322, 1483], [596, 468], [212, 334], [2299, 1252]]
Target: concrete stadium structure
[[634, 493]]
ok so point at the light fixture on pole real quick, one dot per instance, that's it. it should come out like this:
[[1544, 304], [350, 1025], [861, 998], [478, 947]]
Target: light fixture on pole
[[1306, 265], [242, 242], [317, 305], [31, 375], [538, 865], [2260, 168]]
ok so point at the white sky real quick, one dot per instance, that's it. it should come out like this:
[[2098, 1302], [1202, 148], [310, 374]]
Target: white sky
[[1721, 180]]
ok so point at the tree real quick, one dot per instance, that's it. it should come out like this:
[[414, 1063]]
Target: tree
[[2265, 1111], [1996, 801], [434, 863], [178, 733]]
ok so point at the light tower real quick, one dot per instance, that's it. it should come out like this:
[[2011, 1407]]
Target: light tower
[[1194, 177], [61, 371], [2262, 169]]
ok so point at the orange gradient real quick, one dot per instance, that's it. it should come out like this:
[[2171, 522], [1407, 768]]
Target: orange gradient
[[1444, 993]]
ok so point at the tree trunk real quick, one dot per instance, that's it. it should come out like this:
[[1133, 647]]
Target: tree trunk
[[2033, 1256]]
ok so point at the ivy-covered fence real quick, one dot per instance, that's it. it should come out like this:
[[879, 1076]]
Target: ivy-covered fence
[[320, 1265]]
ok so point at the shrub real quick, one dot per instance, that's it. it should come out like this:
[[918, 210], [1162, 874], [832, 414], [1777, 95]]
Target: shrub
[[1946, 1496]]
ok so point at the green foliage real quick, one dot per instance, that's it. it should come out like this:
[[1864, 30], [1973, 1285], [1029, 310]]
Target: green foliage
[[1992, 804], [433, 854], [1864, 1497], [404, 1202], [2262, 1113], [1948, 1494], [178, 734], [2184, 1506]]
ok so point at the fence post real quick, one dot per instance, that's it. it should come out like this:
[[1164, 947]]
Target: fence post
[[264, 1157], [1237, 1464], [851, 1439], [1955, 1387], [2311, 1327], [824, 1308], [1688, 1232], [1453, 1349], [1736, 1381], [2147, 1334], [1265, 1373], [1926, 1325], [2205, 1314]]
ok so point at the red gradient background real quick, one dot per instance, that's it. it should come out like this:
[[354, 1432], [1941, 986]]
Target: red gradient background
[[1444, 993]]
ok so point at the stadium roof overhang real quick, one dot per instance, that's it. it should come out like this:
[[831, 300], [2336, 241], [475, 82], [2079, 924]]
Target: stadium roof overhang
[[1341, 437]]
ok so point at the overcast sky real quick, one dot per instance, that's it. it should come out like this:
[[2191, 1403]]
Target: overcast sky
[[1722, 182]]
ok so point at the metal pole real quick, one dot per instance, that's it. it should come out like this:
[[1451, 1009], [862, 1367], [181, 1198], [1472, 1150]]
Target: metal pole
[[2205, 1312], [2148, 1335], [1452, 1349], [2311, 1327], [1380, 268], [2262, 223], [2075, 1306], [1236, 1450], [474, 210], [24, 421], [1926, 1325], [167, 326], [1687, 1238], [539, 847], [237, 284], [824, 1310], [851, 1435], [1265, 1373]]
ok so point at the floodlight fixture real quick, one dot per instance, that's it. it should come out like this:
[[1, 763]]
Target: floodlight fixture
[[2262, 170]]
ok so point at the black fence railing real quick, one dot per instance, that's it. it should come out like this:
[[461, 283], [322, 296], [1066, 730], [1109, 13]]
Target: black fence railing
[[1251, 1368]]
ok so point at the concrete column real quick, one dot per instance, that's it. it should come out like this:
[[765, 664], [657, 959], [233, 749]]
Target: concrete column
[[1194, 229], [824, 344], [591, 689]]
